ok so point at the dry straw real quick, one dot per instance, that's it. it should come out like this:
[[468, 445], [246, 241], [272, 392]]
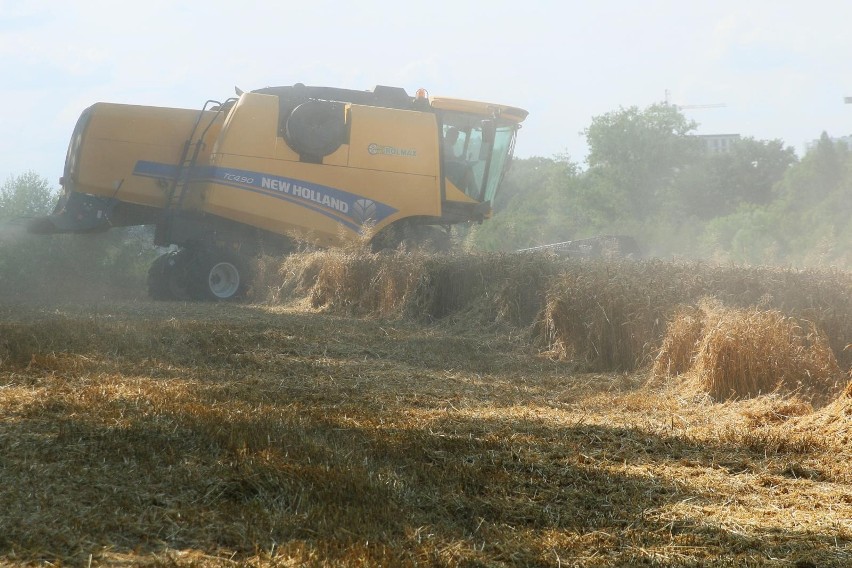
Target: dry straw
[[612, 316], [363, 283], [834, 422], [491, 287], [418, 285], [152, 434], [604, 315], [680, 344], [741, 353]]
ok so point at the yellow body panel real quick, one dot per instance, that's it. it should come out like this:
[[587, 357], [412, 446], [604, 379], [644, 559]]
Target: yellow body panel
[[387, 167], [120, 136], [392, 140], [251, 128], [391, 159], [455, 194]]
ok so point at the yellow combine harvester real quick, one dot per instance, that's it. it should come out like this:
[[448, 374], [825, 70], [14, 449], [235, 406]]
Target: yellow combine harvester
[[254, 172]]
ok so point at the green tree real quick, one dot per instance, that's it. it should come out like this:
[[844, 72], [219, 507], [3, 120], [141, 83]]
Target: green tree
[[816, 196], [806, 221], [829, 160], [26, 195], [719, 183], [637, 154], [525, 177], [751, 235], [539, 207], [822, 170], [650, 178]]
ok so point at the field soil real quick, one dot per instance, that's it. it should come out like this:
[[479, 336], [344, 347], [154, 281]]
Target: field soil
[[155, 434]]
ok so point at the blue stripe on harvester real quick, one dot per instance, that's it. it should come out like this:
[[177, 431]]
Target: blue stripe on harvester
[[347, 208]]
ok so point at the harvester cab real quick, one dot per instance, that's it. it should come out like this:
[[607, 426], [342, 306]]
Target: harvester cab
[[258, 171]]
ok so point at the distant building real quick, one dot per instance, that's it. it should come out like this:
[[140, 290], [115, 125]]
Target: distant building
[[718, 143], [846, 140]]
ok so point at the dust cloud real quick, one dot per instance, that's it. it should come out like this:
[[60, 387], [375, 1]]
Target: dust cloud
[[11, 232], [50, 269]]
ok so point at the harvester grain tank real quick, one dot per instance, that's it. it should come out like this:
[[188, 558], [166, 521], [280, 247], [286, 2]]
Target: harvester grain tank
[[255, 172]]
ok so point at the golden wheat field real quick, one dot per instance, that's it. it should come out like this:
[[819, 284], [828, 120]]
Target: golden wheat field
[[415, 410]]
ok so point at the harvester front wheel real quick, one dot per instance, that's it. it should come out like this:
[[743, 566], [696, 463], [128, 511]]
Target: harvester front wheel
[[168, 277]]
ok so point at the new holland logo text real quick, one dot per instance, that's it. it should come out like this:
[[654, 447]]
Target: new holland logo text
[[378, 149], [310, 194]]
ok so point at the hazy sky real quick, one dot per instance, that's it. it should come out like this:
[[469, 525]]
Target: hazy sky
[[781, 67]]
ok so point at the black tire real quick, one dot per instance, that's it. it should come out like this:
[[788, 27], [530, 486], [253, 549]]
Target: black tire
[[168, 277], [316, 128], [157, 289], [219, 276]]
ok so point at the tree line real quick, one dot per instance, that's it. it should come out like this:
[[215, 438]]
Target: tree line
[[649, 176]]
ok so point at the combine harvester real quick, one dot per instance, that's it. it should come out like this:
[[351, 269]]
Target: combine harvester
[[247, 175]]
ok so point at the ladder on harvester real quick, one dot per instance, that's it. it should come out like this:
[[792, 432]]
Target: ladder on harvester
[[185, 169]]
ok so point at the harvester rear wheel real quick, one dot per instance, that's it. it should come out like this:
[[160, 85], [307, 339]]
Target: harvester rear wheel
[[219, 276]]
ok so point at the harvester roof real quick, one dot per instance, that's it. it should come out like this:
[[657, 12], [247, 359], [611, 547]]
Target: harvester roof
[[393, 97]]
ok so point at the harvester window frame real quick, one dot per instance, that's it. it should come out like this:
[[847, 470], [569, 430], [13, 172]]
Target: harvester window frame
[[505, 134], [477, 157]]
